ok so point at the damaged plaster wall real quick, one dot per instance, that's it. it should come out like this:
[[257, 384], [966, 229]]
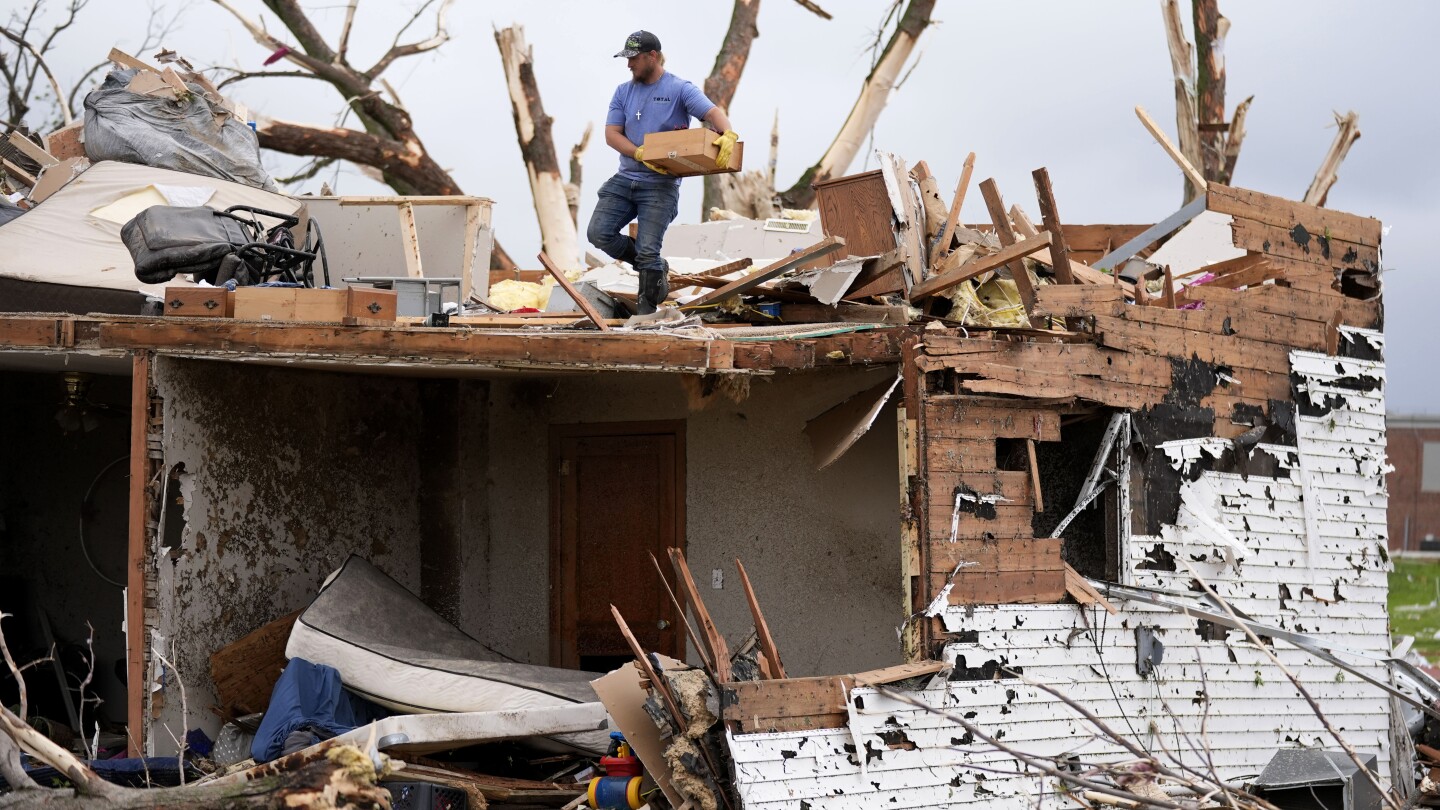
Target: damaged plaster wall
[[1303, 549], [287, 472], [820, 546]]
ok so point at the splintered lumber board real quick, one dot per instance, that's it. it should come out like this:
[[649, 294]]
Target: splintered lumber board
[[824, 247]]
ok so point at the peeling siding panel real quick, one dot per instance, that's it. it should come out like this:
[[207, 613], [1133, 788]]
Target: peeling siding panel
[[1304, 552]]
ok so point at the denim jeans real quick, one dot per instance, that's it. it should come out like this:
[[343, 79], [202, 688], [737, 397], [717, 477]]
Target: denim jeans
[[655, 206]]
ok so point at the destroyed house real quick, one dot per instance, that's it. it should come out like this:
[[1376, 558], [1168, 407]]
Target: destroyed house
[[978, 536]]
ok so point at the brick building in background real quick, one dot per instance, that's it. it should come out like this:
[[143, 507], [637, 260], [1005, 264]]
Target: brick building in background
[[1414, 450]]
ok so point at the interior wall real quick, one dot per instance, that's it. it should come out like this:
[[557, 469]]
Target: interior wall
[[822, 547], [287, 473], [45, 473]]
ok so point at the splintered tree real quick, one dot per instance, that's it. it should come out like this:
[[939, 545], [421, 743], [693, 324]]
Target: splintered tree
[[1210, 144], [874, 93], [537, 147], [1207, 140]]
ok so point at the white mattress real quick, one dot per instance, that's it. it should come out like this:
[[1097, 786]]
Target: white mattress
[[393, 649]]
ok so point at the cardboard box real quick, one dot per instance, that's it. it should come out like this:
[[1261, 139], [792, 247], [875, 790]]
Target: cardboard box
[[689, 152], [315, 306], [199, 302]]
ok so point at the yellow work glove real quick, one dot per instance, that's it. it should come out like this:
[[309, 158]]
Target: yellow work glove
[[640, 157], [726, 143]]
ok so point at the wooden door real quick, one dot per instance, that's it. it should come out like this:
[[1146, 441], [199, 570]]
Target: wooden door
[[617, 495]]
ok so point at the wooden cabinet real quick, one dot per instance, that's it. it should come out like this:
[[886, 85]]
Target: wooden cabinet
[[857, 208]]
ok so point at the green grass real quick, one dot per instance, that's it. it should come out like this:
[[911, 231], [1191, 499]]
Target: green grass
[[1416, 583]]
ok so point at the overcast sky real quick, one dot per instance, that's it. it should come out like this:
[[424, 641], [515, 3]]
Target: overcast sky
[[1022, 83]]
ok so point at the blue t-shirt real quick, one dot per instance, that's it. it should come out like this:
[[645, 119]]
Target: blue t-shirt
[[666, 105]]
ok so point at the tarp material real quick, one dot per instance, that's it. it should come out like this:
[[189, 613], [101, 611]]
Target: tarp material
[[189, 134], [309, 698], [392, 648], [63, 241]]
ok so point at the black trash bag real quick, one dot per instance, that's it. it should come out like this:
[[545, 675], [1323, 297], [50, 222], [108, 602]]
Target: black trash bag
[[188, 134], [166, 241]]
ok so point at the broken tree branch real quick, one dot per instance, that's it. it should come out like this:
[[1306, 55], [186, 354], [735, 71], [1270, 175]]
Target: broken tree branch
[[398, 51], [1210, 31], [1348, 132]]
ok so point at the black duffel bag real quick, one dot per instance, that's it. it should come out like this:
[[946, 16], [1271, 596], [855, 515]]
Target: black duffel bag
[[166, 241]]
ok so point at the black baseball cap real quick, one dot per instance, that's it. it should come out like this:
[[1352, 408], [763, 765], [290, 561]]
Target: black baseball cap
[[638, 43]]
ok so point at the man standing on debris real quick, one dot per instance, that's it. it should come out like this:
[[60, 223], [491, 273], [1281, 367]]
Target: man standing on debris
[[652, 101]]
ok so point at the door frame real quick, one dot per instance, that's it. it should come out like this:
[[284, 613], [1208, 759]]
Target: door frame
[[564, 607]]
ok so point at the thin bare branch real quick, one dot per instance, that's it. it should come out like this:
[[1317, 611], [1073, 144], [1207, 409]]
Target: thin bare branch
[[1042, 764], [815, 9], [398, 51], [345, 31], [243, 75], [42, 65]]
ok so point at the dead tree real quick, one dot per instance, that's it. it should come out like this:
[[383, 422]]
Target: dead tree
[[1210, 144], [537, 148], [874, 93]]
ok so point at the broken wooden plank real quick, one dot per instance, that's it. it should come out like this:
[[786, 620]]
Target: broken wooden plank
[[714, 641], [1300, 244], [1018, 274], [656, 682], [685, 620], [774, 668], [123, 59], [1078, 300], [1010, 254], [794, 704], [899, 672], [825, 247], [410, 241], [1286, 214], [1039, 496], [942, 245], [245, 671], [963, 417], [580, 300], [1050, 218], [32, 150], [1084, 593], [1197, 180]]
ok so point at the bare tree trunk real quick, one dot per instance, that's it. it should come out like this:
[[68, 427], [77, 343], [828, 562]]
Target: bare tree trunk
[[724, 79], [532, 125], [1182, 64], [1210, 30], [577, 171], [874, 93], [1349, 133]]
